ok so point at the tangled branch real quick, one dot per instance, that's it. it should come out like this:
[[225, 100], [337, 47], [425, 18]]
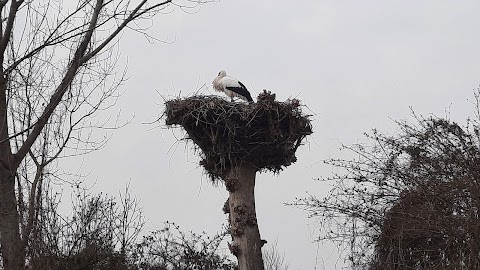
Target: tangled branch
[[265, 134]]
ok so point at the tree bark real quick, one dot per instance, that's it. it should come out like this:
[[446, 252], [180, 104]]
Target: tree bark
[[10, 240], [246, 245], [12, 248]]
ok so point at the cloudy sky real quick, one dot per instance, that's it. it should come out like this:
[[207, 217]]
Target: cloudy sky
[[356, 65]]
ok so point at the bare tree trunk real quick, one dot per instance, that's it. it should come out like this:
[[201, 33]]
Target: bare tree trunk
[[246, 245], [13, 257], [12, 249], [37, 117]]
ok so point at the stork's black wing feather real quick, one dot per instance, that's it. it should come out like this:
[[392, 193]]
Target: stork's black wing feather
[[242, 91], [241, 84]]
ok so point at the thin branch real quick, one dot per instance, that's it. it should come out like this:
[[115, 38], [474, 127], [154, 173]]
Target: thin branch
[[61, 89], [9, 27], [137, 12]]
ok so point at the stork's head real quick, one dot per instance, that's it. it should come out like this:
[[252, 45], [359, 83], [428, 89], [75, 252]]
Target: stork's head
[[222, 73]]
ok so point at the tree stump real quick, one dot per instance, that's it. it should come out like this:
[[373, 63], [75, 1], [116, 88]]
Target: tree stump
[[246, 245]]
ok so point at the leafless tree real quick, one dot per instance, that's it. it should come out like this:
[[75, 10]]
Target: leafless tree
[[101, 233], [273, 259], [407, 201], [58, 60]]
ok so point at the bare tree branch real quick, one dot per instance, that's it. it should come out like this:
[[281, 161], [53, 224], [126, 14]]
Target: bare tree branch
[[75, 64], [136, 13], [57, 73]]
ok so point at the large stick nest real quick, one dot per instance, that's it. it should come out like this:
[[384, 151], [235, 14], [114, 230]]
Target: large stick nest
[[265, 134]]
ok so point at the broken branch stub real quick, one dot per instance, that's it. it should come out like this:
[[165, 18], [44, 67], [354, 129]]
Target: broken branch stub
[[265, 134]]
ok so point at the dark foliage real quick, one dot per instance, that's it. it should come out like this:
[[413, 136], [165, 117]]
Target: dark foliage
[[95, 256], [265, 134], [409, 201]]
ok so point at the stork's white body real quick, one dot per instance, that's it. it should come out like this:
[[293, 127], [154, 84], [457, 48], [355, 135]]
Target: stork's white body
[[231, 87]]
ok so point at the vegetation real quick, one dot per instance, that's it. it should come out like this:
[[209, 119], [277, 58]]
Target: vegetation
[[104, 234], [273, 259], [407, 201], [170, 248], [57, 74]]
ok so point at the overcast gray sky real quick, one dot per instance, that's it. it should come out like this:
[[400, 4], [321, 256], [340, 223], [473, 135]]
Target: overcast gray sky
[[356, 65]]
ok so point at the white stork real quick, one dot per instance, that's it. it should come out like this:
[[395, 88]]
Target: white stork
[[231, 87]]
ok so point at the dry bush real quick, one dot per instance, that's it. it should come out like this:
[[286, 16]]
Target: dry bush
[[273, 259], [434, 226], [172, 249], [100, 233], [408, 201]]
